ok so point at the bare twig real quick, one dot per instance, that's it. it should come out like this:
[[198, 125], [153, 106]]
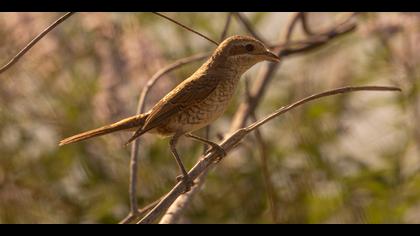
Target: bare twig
[[248, 26], [186, 27], [139, 213], [318, 41], [271, 195], [34, 41], [305, 25], [264, 162], [226, 28], [292, 26], [234, 139], [348, 89], [173, 214]]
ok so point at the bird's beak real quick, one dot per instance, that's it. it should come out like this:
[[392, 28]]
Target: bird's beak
[[270, 56]]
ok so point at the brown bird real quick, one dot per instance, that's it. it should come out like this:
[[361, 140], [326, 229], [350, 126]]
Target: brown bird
[[197, 101]]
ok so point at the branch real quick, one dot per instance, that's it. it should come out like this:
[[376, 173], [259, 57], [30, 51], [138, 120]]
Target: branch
[[234, 139], [271, 195], [226, 28], [248, 26], [186, 27], [264, 162], [139, 213], [34, 41], [305, 25], [292, 26], [175, 210]]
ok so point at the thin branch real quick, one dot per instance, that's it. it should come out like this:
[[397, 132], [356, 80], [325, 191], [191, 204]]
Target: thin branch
[[264, 162], [305, 25], [234, 139], [34, 41], [226, 28], [173, 214], [139, 213], [186, 27], [292, 26], [271, 195], [248, 26], [348, 89]]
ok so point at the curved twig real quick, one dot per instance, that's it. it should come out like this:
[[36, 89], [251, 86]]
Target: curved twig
[[186, 27], [248, 26], [226, 27], [139, 213], [34, 41], [305, 25], [292, 26]]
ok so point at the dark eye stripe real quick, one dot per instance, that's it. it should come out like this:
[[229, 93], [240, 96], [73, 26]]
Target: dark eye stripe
[[249, 47]]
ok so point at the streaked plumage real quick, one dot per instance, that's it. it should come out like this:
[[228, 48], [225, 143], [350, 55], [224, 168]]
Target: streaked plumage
[[198, 100]]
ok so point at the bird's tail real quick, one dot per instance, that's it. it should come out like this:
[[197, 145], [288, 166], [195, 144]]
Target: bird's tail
[[125, 124]]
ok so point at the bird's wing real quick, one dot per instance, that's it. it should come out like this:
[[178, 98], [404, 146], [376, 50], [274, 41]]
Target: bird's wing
[[186, 94]]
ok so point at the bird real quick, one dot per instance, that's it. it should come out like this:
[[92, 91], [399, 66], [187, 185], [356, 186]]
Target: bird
[[196, 102]]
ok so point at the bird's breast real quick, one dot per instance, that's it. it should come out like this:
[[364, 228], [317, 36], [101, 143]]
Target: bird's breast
[[199, 115]]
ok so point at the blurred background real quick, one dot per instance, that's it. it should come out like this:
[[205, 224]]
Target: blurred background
[[346, 159]]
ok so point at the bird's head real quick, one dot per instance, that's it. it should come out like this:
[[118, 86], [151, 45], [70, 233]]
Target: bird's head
[[244, 51]]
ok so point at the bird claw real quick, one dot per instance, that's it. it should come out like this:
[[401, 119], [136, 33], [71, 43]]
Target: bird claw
[[219, 150], [188, 182]]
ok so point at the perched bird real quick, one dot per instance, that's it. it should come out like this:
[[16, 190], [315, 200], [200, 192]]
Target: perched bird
[[197, 101]]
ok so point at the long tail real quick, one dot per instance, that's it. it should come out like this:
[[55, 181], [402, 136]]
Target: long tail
[[126, 124]]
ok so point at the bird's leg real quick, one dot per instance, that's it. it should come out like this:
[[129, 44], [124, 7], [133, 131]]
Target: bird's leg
[[184, 177], [214, 146]]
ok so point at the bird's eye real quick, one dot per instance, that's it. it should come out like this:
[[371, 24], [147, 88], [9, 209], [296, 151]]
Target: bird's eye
[[249, 47]]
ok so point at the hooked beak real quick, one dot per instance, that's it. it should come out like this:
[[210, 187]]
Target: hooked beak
[[270, 56]]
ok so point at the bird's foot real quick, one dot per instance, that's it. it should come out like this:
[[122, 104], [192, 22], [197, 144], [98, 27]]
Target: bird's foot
[[221, 153], [188, 182]]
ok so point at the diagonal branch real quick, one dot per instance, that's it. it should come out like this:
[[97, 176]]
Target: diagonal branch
[[271, 195], [292, 25], [34, 41], [139, 213], [248, 26], [226, 27], [206, 162], [305, 24], [186, 27]]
